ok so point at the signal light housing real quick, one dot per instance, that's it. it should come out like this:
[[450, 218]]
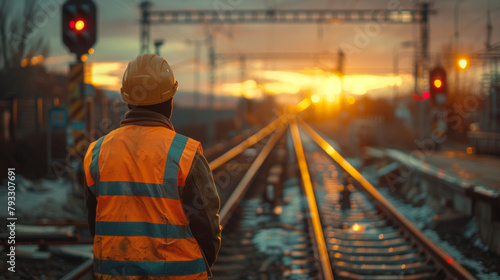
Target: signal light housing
[[79, 25], [437, 83]]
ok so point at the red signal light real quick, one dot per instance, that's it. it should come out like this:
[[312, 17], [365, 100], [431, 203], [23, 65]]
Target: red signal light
[[438, 83], [78, 25], [415, 97], [426, 95]]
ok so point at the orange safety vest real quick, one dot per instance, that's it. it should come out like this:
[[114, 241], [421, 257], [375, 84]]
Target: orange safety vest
[[137, 174]]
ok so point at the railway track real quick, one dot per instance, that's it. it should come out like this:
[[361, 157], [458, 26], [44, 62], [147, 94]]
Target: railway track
[[266, 233], [366, 237], [295, 209], [314, 233]]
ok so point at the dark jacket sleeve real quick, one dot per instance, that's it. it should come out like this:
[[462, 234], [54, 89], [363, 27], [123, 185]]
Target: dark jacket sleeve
[[201, 204], [90, 205]]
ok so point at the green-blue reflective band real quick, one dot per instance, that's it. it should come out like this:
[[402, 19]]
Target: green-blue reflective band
[[142, 229], [173, 158], [139, 189], [94, 165], [149, 268]]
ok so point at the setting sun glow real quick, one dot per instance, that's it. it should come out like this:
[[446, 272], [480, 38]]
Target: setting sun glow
[[108, 75], [248, 89], [315, 98], [326, 84]]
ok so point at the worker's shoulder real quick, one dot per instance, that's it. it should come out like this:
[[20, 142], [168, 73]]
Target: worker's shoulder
[[185, 139], [100, 139], [160, 132], [191, 146], [95, 141]]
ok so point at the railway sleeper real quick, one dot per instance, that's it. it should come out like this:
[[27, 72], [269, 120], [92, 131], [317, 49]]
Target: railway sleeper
[[398, 259], [359, 237], [392, 251], [368, 231], [384, 269], [345, 275], [381, 243], [368, 224]]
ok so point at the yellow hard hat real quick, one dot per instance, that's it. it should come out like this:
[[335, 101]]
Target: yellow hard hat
[[148, 80]]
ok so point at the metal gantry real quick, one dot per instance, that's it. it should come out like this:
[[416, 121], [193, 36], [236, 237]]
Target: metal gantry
[[151, 17], [282, 16]]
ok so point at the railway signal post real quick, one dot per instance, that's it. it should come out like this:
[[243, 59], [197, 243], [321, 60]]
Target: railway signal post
[[438, 86], [79, 33]]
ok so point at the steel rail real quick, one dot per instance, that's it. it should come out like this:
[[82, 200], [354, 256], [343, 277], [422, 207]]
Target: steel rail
[[318, 236], [441, 259], [250, 141], [242, 187]]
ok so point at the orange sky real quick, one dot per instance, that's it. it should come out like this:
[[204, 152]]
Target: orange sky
[[108, 75]]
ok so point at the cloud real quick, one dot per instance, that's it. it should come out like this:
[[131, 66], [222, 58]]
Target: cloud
[[326, 84], [108, 75]]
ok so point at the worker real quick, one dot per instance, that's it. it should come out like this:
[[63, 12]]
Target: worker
[[151, 201]]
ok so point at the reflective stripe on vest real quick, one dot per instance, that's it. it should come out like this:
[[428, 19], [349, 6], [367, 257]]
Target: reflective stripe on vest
[[141, 228]]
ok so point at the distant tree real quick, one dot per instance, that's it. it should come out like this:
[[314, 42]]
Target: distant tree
[[20, 38]]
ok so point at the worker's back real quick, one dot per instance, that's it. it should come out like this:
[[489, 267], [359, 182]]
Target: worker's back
[[137, 174], [152, 204]]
